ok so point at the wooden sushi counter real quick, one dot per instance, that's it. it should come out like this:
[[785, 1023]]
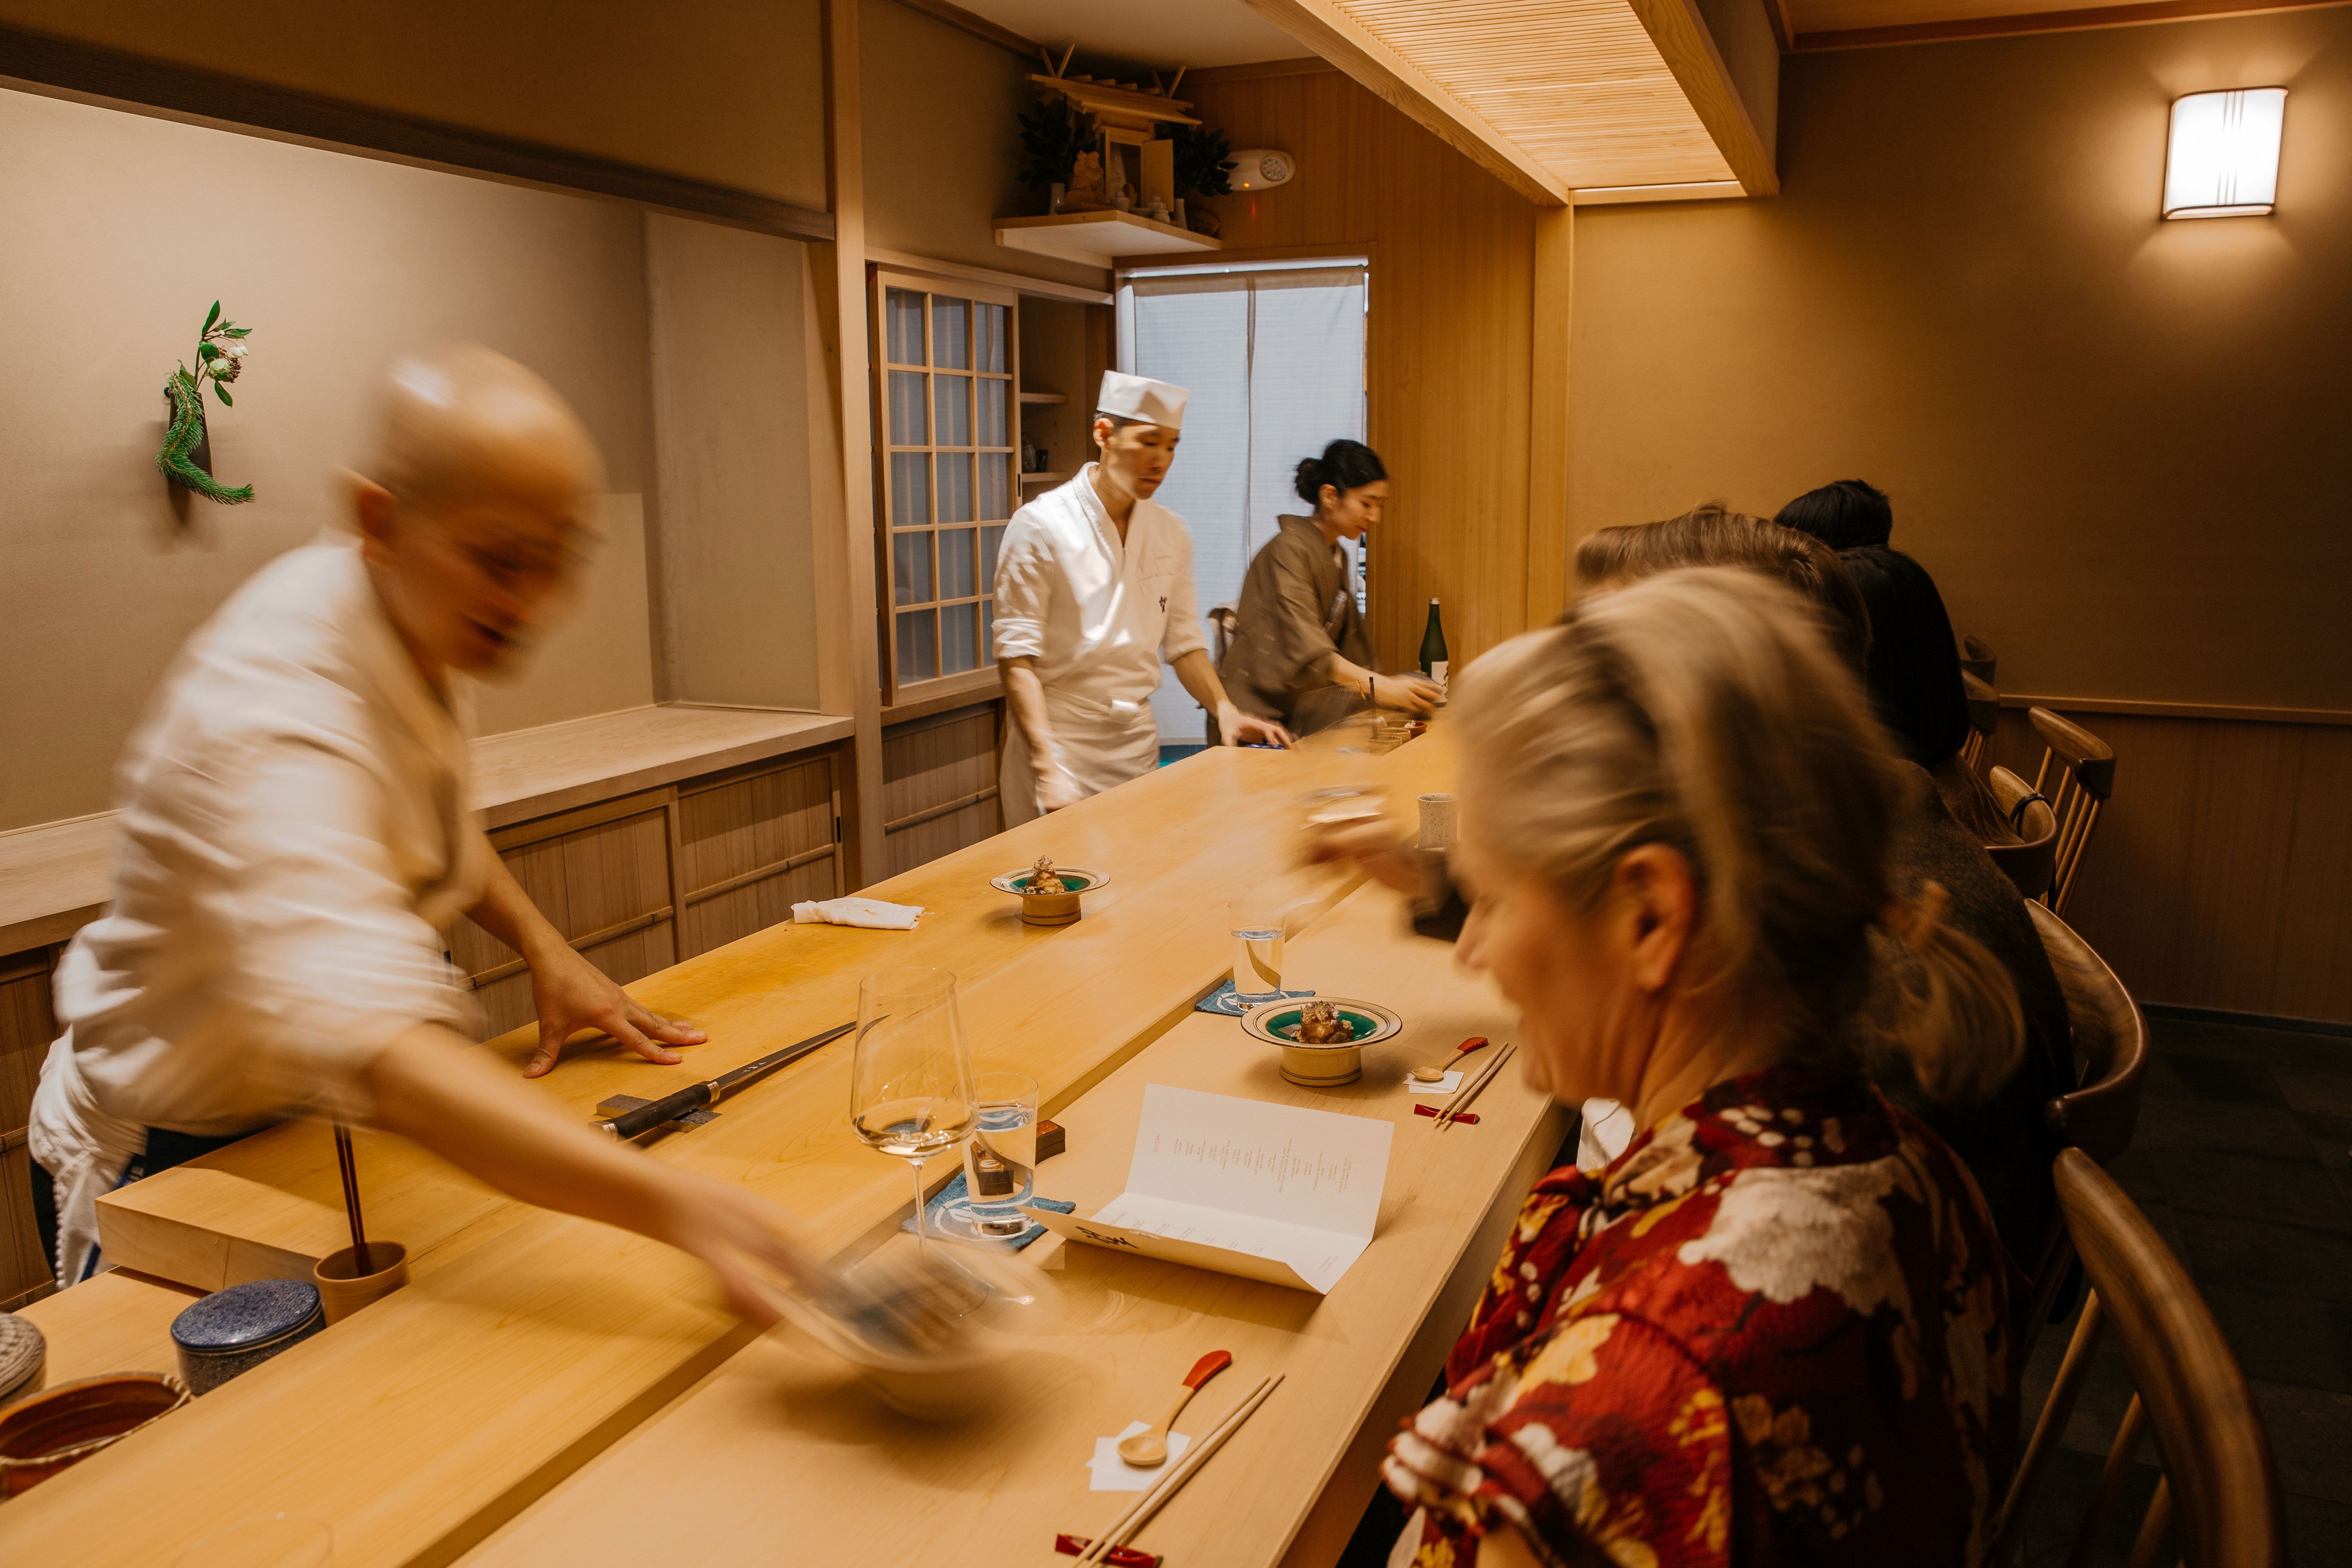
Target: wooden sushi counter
[[550, 1390]]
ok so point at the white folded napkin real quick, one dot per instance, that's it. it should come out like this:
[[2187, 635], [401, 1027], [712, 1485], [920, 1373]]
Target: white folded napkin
[[1607, 1128], [870, 912], [1446, 1085]]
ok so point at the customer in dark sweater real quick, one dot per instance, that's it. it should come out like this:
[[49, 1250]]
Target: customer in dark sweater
[[2003, 1140]]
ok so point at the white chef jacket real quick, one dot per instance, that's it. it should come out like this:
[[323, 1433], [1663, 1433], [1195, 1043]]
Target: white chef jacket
[[295, 831], [1098, 616]]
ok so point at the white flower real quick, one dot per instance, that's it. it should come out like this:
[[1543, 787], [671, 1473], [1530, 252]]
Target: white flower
[[234, 350]]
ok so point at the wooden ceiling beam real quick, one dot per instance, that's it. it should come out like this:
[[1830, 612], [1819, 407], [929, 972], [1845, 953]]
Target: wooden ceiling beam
[[1689, 51], [1338, 37]]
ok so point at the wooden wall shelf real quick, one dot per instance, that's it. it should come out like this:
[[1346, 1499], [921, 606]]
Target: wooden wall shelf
[[1044, 479], [1099, 239], [1048, 397]]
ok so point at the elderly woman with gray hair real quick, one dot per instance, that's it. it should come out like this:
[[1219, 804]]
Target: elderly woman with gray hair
[[1776, 1328]]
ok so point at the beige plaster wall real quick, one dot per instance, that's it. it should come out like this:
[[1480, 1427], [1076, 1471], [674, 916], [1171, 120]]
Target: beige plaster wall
[[122, 229], [726, 90], [943, 154], [2118, 443]]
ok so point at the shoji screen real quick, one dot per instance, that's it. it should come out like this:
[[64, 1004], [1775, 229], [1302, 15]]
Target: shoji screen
[[1274, 361]]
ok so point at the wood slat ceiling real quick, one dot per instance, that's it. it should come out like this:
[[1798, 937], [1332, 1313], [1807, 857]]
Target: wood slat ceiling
[[1832, 24], [1575, 84]]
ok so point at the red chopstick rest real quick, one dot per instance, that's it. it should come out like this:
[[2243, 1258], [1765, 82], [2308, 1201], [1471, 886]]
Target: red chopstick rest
[[1124, 1556], [1468, 1118]]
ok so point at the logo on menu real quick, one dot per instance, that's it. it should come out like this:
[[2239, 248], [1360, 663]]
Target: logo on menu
[[1106, 1240]]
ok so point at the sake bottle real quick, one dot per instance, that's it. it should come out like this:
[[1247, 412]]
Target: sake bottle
[[1433, 648]]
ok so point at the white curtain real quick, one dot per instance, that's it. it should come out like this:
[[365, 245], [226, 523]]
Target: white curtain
[[1275, 361]]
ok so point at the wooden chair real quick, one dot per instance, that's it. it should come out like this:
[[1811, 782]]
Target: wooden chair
[[2110, 1041], [2032, 860], [1976, 659], [1984, 718], [2218, 1472], [2077, 776]]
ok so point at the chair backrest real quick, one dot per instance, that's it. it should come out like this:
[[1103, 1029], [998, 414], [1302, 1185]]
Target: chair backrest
[[1225, 618], [1976, 659], [2032, 860], [1984, 718], [2219, 1477], [2077, 776], [2110, 1038]]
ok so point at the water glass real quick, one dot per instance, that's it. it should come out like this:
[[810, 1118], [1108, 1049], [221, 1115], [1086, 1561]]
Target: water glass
[[1000, 1159], [911, 1091], [1257, 923]]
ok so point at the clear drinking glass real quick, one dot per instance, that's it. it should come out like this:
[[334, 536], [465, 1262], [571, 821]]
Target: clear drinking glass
[[1000, 1159], [272, 1540], [910, 1090], [1256, 925]]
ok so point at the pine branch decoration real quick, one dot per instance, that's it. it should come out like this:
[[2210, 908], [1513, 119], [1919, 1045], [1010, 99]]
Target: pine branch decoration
[[220, 359], [187, 429]]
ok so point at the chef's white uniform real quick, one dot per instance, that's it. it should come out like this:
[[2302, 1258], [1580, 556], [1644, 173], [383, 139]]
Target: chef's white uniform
[[295, 826], [1098, 616]]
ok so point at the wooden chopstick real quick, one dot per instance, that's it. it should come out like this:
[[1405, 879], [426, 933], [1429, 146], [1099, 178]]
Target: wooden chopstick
[[1137, 1517], [1470, 1091], [1461, 1096]]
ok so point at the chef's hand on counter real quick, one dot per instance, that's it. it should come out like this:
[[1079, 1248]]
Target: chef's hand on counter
[[438, 1091], [571, 994], [1235, 728]]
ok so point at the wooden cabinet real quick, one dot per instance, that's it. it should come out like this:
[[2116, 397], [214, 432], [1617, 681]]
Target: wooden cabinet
[[639, 883], [938, 785], [27, 1027]]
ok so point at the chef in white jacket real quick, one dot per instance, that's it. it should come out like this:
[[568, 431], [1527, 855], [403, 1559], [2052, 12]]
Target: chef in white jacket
[[1094, 588], [295, 826]]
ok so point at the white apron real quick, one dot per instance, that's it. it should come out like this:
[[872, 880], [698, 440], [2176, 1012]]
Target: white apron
[[1098, 616]]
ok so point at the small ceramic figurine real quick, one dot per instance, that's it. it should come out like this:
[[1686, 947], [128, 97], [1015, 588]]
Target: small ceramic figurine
[[1085, 192], [1319, 1024]]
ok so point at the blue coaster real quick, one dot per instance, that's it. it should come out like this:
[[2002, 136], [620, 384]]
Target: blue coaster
[[1221, 1000], [953, 1193]]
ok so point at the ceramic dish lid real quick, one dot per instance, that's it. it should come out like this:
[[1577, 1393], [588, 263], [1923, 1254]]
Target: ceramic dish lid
[[22, 1353], [1276, 1022], [246, 1315]]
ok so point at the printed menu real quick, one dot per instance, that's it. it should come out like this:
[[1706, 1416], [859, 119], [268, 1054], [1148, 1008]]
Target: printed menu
[[1274, 1192]]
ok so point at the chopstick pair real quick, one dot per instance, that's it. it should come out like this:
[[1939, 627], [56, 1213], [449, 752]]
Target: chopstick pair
[[1453, 1108], [1103, 1546]]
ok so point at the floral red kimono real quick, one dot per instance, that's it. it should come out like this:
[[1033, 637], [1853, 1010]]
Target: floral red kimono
[[1775, 1330]]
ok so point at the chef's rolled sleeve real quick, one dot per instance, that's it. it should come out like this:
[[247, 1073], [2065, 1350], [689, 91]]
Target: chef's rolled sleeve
[[1024, 589], [1182, 632]]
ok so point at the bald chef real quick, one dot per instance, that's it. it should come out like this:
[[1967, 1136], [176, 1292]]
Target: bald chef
[[1093, 587], [295, 826]]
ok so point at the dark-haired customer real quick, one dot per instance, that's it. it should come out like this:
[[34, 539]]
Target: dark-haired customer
[[1776, 1329], [1914, 661], [1299, 653]]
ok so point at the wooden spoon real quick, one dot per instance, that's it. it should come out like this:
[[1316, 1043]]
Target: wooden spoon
[[1146, 1450], [1433, 1073]]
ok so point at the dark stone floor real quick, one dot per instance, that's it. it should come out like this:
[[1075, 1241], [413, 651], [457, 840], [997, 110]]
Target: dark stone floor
[[2244, 1161]]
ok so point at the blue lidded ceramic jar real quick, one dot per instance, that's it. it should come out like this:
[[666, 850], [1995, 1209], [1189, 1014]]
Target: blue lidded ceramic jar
[[231, 1332]]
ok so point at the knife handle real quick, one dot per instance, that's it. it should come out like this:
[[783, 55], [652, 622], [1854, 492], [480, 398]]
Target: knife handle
[[645, 1118]]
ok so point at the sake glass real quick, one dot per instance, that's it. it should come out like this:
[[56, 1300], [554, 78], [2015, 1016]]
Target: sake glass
[[910, 1088], [1000, 1159], [1256, 922]]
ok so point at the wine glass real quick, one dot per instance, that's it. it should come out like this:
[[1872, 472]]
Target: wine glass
[[910, 1089]]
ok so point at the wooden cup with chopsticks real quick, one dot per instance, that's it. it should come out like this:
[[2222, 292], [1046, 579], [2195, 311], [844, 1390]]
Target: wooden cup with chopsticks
[[366, 1271]]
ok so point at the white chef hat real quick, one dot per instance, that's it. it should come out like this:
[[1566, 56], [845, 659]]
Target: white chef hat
[[1140, 397]]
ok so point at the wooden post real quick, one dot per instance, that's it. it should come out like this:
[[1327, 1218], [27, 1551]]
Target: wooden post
[[1548, 411], [849, 674]]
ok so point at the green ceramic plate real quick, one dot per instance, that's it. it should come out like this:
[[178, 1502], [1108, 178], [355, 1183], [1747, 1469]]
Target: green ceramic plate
[[1276, 1022]]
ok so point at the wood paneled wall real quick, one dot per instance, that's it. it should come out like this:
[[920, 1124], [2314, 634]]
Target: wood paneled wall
[[2216, 875], [1453, 280], [938, 784], [639, 883], [26, 1029]]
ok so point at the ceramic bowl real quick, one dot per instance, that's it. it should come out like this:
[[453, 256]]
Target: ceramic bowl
[[23, 1355], [57, 1430], [1050, 906], [231, 1332], [1320, 1066], [973, 1372]]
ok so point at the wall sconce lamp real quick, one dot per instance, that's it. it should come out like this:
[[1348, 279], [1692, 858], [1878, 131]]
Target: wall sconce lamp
[[2224, 156]]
